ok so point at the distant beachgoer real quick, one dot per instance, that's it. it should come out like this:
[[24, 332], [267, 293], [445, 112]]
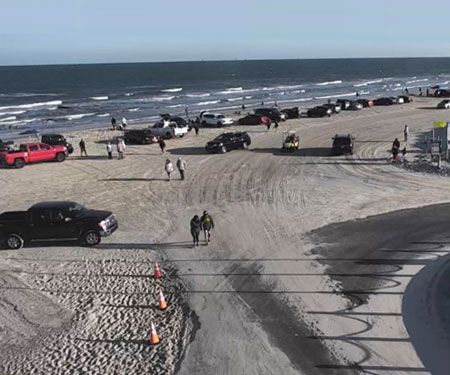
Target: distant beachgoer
[[168, 167], [181, 165], [196, 128], [428, 92], [396, 144], [268, 123], [262, 103], [420, 91], [357, 93], [113, 123], [124, 123], [83, 148], [196, 227], [162, 145], [406, 133], [109, 150], [275, 126], [276, 104], [407, 91], [243, 106]]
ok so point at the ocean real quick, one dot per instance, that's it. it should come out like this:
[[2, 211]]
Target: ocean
[[67, 97]]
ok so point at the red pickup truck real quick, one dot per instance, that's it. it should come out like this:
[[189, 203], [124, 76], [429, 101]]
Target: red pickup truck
[[31, 153]]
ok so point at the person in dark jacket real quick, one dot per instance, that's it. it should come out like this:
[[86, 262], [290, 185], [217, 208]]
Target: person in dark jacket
[[83, 148], [196, 227], [162, 145], [207, 224]]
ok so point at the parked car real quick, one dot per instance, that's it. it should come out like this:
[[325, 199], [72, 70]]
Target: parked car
[[139, 136], [291, 113], [319, 112], [273, 113], [343, 103], [342, 144], [49, 221], [355, 106], [6, 145], [214, 119], [384, 101], [335, 108], [442, 93], [57, 140], [253, 119], [406, 98], [229, 141], [445, 104], [365, 102], [170, 127], [32, 153]]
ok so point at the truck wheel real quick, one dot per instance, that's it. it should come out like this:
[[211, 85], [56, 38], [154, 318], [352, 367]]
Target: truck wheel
[[91, 238], [219, 124], [19, 163], [60, 157], [223, 149], [245, 146], [14, 241]]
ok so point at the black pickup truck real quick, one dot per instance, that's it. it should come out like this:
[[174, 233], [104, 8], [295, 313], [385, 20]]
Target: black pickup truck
[[50, 221]]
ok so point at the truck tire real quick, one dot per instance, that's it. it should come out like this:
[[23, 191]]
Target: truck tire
[[14, 241], [19, 163], [219, 124], [223, 150], [91, 238], [245, 146], [60, 157]]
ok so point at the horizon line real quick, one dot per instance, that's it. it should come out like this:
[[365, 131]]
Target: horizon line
[[223, 60]]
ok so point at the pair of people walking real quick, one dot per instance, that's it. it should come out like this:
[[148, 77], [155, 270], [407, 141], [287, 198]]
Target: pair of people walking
[[199, 224], [181, 166]]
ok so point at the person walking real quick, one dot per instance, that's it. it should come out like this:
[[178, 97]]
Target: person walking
[[395, 149], [124, 123], [162, 145], [113, 123], [83, 148], [181, 165], [196, 128], [275, 125], [196, 227], [109, 150], [406, 133], [168, 168], [120, 149], [207, 224], [268, 123]]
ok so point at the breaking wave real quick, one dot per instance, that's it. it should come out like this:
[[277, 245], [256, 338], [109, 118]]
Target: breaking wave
[[99, 97], [368, 83], [32, 105], [197, 95], [177, 89], [329, 83], [208, 103], [77, 117]]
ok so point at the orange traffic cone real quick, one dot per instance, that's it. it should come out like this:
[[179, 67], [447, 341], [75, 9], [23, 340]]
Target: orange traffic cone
[[154, 338], [162, 301], [158, 273]]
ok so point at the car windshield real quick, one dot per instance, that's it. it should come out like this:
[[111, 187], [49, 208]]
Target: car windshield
[[76, 210], [342, 141], [223, 137]]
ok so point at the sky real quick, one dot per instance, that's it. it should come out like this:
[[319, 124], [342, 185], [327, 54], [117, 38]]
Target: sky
[[97, 31]]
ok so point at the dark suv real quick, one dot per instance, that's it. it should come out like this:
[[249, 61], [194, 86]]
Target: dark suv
[[139, 136], [49, 221], [229, 141], [57, 140], [273, 113], [342, 144]]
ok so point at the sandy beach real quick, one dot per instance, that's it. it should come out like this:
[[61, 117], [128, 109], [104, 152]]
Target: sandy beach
[[266, 296]]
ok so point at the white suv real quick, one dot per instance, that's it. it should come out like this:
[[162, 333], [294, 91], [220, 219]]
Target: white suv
[[215, 119], [169, 127]]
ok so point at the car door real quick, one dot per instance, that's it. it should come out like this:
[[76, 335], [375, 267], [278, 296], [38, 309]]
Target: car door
[[64, 224], [236, 141], [34, 153], [40, 227], [47, 151]]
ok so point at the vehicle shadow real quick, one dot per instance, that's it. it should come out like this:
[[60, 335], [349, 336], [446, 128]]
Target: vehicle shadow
[[435, 108], [134, 179], [188, 151], [308, 152], [89, 157]]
